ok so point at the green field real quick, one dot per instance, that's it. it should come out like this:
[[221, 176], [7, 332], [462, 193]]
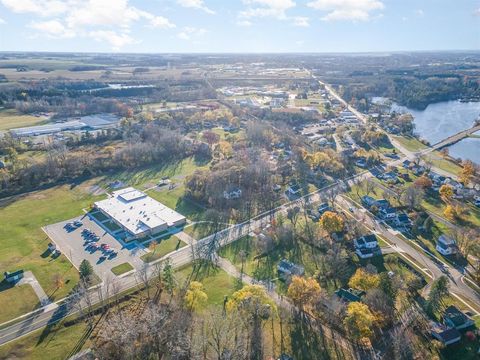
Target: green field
[[17, 301], [122, 268], [444, 164], [217, 283], [410, 143], [163, 247], [11, 119], [23, 244], [60, 342]]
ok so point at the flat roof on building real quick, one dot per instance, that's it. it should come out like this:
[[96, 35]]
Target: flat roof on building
[[137, 212]]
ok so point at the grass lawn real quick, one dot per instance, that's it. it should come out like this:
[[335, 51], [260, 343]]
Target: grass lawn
[[174, 199], [23, 244], [217, 283], [122, 268], [263, 267], [151, 175], [200, 230], [443, 163], [410, 143], [20, 299], [61, 342], [163, 247], [11, 119], [437, 206]]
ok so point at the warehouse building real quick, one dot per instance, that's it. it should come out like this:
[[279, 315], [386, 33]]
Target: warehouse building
[[138, 214]]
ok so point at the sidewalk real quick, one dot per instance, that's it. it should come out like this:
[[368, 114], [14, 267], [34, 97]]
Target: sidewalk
[[31, 280]]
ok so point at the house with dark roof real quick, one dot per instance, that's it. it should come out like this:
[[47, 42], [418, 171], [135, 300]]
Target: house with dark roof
[[446, 246], [350, 295], [323, 208], [13, 277], [454, 318], [293, 189], [444, 334], [367, 201], [387, 213], [403, 220], [366, 246], [287, 269]]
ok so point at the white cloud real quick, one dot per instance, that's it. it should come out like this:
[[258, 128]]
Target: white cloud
[[42, 8], [2, 21], [476, 12], [188, 33], [355, 10], [116, 40], [244, 23], [301, 21], [195, 4], [53, 29], [267, 8], [419, 13], [102, 20]]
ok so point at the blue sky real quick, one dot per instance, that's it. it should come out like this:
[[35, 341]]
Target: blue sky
[[154, 26]]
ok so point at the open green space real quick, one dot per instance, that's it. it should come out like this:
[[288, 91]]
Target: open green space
[[443, 163], [23, 244], [16, 301], [122, 268], [263, 266], [174, 199], [163, 247], [151, 175], [11, 119], [59, 342], [410, 143], [217, 283]]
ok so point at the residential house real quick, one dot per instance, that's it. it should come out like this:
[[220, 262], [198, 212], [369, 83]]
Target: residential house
[[235, 193], [403, 220], [322, 208], [350, 295], [454, 318], [445, 335], [13, 277], [368, 201], [366, 246], [406, 164], [293, 189], [446, 246], [362, 163], [287, 269], [387, 213]]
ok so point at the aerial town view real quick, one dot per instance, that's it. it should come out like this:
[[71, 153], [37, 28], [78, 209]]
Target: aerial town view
[[240, 180]]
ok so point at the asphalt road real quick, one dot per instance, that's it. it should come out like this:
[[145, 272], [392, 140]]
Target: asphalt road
[[429, 265]]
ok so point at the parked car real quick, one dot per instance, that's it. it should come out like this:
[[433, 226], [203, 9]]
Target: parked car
[[77, 223]]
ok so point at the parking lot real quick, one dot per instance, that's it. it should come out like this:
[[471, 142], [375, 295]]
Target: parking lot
[[72, 243]]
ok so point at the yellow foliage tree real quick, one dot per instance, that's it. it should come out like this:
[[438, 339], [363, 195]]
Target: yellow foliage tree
[[332, 222], [364, 280], [251, 294], [303, 291], [359, 320], [446, 191], [195, 297], [450, 213], [466, 173]]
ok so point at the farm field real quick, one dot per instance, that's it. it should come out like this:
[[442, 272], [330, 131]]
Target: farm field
[[11, 119]]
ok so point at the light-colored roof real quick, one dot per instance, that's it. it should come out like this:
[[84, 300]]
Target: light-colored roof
[[138, 212]]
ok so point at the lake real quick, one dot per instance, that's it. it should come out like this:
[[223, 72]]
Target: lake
[[441, 120]]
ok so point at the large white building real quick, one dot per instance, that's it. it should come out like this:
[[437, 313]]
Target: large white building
[[138, 214]]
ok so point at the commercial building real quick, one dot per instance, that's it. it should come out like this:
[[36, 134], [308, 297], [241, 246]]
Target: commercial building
[[138, 214], [90, 122]]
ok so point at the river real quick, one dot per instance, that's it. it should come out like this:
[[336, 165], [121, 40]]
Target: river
[[441, 120]]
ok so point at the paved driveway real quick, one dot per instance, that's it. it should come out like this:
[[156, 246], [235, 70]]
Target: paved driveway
[[71, 244]]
